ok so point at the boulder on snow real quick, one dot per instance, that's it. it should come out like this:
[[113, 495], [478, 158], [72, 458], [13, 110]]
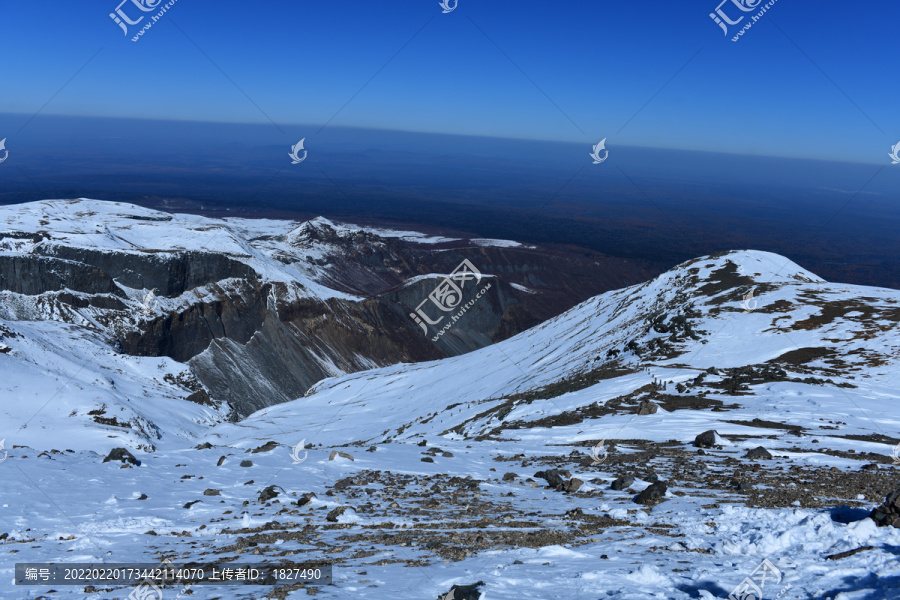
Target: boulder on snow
[[463, 592], [333, 515], [553, 477], [334, 454], [652, 495], [306, 498], [123, 455], [889, 512], [267, 447], [647, 407], [707, 439], [268, 493], [572, 485], [622, 483], [758, 452]]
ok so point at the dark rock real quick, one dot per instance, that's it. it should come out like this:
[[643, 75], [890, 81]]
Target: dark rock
[[332, 516], [447, 454], [554, 477], [652, 495], [121, 454], [221, 460], [344, 483], [201, 397], [423, 443], [758, 452], [306, 499], [869, 467], [142, 497], [888, 514], [269, 493], [707, 439], [848, 553], [509, 476], [212, 492], [191, 503], [204, 446], [463, 592], [622, 483], [267, 447], [372, 449], [647, 407], [651, 477], [428, 459], [572, 485], [246, 463], [334, 454]]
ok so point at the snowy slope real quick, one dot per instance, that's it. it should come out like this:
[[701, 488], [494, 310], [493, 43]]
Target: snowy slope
[[225, 298], [443, 487], [373, 405]]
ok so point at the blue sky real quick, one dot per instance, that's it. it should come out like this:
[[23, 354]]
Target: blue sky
[[824, 85]]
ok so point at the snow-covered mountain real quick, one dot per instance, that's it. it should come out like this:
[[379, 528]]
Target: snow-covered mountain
[[238, 314], [563, 462]]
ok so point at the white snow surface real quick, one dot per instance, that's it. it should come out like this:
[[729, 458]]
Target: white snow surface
[[70, 506]]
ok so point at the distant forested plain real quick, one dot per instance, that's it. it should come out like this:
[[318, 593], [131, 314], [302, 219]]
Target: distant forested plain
[[839, 220]]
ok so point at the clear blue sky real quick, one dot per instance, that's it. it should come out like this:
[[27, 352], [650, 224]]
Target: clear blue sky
[[599, 61]]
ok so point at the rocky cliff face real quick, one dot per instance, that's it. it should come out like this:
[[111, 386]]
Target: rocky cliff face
[[262, 310]]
